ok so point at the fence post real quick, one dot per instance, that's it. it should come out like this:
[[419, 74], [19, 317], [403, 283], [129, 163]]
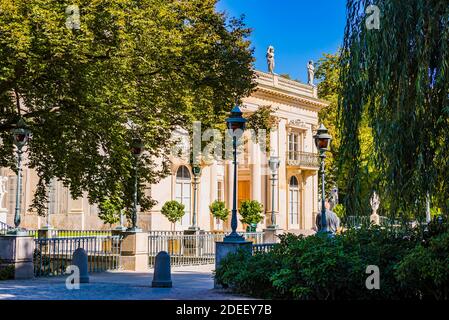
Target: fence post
[[270, 235], [134, 255], [17, 251]]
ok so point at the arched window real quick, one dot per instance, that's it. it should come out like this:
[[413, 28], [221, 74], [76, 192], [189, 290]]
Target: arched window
[[183, 191], [293, 200]]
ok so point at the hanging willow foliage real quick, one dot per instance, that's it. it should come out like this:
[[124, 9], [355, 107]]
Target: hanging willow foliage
[[397, 77]]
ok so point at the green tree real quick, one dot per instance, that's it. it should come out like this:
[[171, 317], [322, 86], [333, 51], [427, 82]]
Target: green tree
[[218, 210], [173, 211], [251, 213], [131, 69], [397, 79]]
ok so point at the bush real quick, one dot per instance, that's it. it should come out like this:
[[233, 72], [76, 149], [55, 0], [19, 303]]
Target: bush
[[218, 210], [6, 271], [250, 211], [412, 263]]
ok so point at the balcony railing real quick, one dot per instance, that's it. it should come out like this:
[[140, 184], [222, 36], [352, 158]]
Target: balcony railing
[[303, 159]]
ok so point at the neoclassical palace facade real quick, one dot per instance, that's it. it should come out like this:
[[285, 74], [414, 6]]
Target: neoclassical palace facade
[[296, 192]]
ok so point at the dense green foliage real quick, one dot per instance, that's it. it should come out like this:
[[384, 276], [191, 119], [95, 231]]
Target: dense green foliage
[[6, 271], [218, 210], [173, 210], [412, 265], [396, 78], [329, 89], [251, 212], [132, 69]]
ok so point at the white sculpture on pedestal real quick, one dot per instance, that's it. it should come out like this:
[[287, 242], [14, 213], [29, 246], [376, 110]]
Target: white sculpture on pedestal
[[375, 202], [270, 59], [310, 73]]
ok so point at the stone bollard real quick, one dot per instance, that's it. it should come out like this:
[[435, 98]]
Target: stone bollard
[[79, 259], [162, 271]]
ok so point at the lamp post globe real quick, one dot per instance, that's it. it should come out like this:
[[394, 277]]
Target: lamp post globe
[[273, 163], [137, 147], [236, 124], [20, 135], [322, 142]]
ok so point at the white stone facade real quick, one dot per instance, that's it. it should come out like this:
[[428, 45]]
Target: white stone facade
[[296, 195]]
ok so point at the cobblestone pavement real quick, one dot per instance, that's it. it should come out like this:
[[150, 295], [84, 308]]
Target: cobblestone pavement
[[189, 283]]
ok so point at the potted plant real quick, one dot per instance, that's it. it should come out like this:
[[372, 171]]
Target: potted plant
[[218, 210], [173, 211], [251, 213]]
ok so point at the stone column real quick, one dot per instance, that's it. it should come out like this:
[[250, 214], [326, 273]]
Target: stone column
[[75, 212], [256, 191], [17, 251], [213, 182], [282, 183], [134, 255]]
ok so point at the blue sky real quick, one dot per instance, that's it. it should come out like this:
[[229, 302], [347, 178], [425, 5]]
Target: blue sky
[[299, 30]]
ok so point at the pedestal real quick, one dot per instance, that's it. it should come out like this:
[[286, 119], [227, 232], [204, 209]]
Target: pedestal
[[223, 248], [375, 218], [18, 252], [134, 256], [3, 215], [270, 235], [45, 232]]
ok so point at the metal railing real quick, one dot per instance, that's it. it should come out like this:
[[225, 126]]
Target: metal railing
[[56, 233], [4, 228], [185, 249], [254, 237], [53, 255], [262, 248], [300, 158], [358, 221]]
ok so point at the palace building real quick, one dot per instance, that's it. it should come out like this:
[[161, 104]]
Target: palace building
[[296, 107]]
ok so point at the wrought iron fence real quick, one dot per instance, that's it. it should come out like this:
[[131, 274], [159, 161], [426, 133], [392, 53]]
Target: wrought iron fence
[[185, 249], [262, 247], [53, 255]]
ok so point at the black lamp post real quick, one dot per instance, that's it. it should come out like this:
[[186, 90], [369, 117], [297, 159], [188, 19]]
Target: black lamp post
[[136, 149], [273, 162], [196, 170], [20, 135], [322, 142], [234, 123]]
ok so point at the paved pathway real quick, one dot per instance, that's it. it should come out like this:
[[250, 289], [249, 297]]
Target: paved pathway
[[189, 283]]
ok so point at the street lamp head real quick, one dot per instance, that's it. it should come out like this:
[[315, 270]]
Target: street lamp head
[[274, 163], [20, 134], [196, 170], [137, 147], [236, 120], [322, 139]]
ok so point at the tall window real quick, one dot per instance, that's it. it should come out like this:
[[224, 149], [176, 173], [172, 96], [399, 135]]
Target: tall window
[[293, 145], [183, 191], [293, 200]]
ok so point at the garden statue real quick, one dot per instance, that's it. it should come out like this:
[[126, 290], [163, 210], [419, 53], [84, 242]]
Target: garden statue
[[310, 73], [375, 202], [270, 59]]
